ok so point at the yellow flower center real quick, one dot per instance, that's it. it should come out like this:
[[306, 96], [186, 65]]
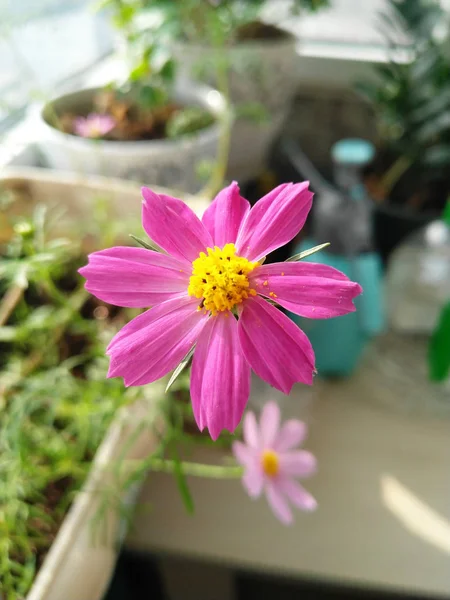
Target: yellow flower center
[[94, 131], [270, 463], [220, 278]]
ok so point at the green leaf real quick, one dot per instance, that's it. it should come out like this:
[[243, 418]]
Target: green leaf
[[124, 16], [204, 168], [167, 71], [150, 245], [182, 484], [308, 252], [437, 155], [183, 364], [433, 128], [140, 71], [446, 213], [439, 348], [433, 106], [102, 4], [187, 121], [151, 96], [8, 333], [253, 111]]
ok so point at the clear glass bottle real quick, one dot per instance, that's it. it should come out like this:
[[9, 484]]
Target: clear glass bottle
[[418, 279]]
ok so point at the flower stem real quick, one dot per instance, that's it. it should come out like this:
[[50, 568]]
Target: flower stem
[[10, 301], [223, 149], [196, 469], [394, 173]]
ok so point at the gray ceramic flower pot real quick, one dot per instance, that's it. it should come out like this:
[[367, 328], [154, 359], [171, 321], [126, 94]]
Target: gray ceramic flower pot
[[168, 162]]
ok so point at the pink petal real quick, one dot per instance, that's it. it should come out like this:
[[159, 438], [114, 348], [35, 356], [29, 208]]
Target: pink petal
[[134, 277], [275, 348], [300, 463], [307, 289], [274, 220], [296, 494], [243, 454], [277, 502], [253, 481], [220, 377], [251, 430], [172, 225], [269, 424], [154, 343], [291, 434], [81, 127], [223, 218]]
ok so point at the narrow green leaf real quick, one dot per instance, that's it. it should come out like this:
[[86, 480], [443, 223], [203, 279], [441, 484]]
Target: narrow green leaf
[[148, 245], [183, 364], [182, 484], [140, 71], [439, 348], [437, 155], [446, 213], [253, 111], [8, 333], [308, 252]]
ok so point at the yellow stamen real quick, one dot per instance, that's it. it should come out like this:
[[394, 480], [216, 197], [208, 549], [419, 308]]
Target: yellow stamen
[[270, 463], [220, 278]]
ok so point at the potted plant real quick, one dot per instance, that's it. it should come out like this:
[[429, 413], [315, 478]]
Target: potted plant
[[64, 426], [145, 129], [227, 44], [409, 178]]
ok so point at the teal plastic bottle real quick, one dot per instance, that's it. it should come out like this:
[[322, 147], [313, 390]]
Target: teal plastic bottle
[[342, 216]]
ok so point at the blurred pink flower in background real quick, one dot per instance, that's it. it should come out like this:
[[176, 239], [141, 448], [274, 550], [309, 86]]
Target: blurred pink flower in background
[[94, 125], [272, 463]]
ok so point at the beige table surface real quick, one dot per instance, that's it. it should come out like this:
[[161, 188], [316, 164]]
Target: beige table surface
[[383, 489]]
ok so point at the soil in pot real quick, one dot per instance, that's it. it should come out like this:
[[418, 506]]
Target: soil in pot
[[117, 117], [257, 31]]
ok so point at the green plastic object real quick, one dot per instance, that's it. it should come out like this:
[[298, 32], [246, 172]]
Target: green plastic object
[[439, 348], [446, 213]]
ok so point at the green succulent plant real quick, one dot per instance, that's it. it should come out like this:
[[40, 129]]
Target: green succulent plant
[[411, 95]]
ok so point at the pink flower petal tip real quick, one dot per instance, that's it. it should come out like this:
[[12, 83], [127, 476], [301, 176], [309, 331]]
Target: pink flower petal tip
[[95, 125]]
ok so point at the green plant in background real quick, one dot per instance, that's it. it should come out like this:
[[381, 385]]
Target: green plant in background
[[151, 73], [56, 401], [412, 97], [208, 22], [439, 347], [153, 28]]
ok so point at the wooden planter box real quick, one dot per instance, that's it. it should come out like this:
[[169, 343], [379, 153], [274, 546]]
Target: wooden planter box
[[81, 560]]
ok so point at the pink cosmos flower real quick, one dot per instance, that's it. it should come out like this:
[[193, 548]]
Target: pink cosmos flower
[[271, 463], [210, 291], [94, 125]]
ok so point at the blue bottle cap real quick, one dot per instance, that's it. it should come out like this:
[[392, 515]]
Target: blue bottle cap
[[353, 151]]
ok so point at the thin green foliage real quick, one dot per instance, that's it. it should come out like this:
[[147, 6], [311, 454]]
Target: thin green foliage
[[56, 403], [411, 94], [197, 20]]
